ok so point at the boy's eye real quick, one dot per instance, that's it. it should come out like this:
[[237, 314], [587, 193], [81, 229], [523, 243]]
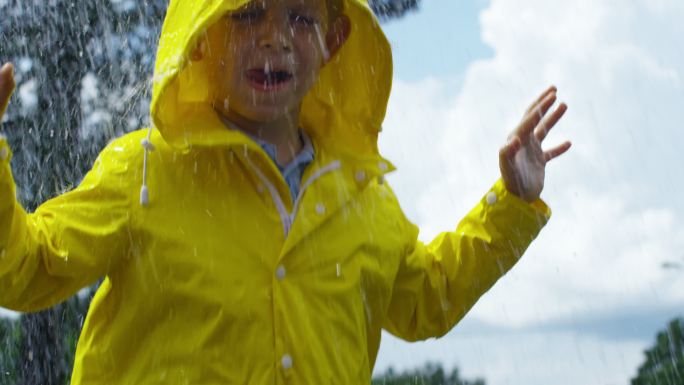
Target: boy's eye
[[246, 16], [303, 20]]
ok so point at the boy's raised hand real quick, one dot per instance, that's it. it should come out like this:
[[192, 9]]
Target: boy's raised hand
[[6, 86], [522, 160]]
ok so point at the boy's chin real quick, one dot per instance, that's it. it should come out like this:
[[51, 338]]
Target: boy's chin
[[262, 114]]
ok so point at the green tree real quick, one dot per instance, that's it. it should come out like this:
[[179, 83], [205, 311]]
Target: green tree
[[429, 374], [664, 363], [10, 335], [392, 9], [57, 47]]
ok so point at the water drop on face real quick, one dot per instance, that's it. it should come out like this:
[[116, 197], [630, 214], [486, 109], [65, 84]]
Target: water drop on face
[[321, 42], [226, 104]]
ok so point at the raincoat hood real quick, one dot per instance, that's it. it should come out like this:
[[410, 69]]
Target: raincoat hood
[[342, 112]]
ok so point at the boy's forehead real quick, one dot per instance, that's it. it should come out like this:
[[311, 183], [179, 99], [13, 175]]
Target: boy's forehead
[[330, 8]]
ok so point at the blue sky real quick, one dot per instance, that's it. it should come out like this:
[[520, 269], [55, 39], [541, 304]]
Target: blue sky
[[446, 32], [591, 292]]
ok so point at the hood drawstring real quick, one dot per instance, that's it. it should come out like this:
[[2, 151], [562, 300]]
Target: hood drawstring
[[144, 191]]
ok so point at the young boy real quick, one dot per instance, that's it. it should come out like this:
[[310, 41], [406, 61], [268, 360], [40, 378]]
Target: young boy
[[252, 239]]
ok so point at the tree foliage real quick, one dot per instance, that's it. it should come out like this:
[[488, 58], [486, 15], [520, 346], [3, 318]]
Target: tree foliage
[[664, 363], [392, 9], [81, 71], [10, 335]]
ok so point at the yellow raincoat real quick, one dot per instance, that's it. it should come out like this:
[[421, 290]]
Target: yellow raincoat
[[219, 277]]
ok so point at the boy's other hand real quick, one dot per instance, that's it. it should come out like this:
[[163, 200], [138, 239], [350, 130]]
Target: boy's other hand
[[522, 160], [6, 86]]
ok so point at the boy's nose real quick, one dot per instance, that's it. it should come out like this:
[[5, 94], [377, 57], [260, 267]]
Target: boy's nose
[[275, 43], [275, 35]]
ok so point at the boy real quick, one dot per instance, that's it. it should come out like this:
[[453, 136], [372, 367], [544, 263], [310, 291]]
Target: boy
[[252, 238]]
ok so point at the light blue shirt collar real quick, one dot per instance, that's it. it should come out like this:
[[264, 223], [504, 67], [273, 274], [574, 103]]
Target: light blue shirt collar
[[293, 171]]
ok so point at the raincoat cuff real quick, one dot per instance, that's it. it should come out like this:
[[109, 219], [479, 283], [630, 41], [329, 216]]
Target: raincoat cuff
[[501, 197]]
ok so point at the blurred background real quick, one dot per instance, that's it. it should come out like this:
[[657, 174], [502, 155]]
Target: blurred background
[[597, 299]]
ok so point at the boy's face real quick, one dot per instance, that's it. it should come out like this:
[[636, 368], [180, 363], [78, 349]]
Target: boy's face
[[266, 56]]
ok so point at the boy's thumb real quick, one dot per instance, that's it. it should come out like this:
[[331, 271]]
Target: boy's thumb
[[8, 67], [6, 86], [7, 76]]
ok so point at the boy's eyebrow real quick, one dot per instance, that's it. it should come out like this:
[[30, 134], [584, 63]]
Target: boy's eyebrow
[[251, 6], [308, 9], [247, 8]]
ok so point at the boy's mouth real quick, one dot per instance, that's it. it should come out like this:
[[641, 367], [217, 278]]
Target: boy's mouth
[[268, 80]]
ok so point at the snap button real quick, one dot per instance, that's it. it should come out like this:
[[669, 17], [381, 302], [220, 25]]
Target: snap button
[[320, 208], [147, 145], [491, 198], [360, 176], [281, 272], [383, 166], [286, 361]]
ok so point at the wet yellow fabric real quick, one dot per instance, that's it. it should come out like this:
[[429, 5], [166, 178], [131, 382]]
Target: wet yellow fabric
[[222, 279]]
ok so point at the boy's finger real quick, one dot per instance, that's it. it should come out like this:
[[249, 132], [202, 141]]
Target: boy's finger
[[532, 119], [6, 86], [540, 99], [550, 121], [557, 151], [6, 74]]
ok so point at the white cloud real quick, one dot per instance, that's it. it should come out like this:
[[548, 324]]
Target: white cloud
[[618, 215], [596, 257]]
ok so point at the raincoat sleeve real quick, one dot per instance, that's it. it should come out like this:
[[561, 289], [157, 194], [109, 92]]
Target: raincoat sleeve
[[438, 283], [68, 243]]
